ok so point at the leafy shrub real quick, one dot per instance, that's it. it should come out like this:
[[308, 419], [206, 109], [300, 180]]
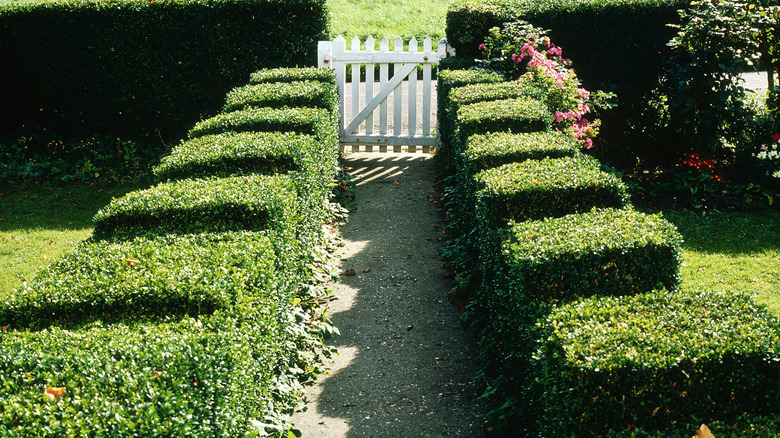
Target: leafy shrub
[[297, 74], [159, 277], [484, 151], [650, 359], [282, 94], [468, 21], [252, 202], [195, 377], [133, 68], [233, 153], [604, 252], [312, 121], [449, 80], [534, 190], [524, 114]]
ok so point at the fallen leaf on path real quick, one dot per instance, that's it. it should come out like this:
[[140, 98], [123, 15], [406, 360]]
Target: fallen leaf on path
[[396, 182], [367, 270], [349, 272]]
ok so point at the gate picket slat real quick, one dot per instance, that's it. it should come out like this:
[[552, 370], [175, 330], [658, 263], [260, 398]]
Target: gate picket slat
[[360, 127]]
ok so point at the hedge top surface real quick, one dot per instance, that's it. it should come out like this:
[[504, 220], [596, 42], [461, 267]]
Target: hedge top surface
[[236, 153], [483, 92], [590, 232], [311, 94], [313, 121], [295, 74], [548, 174], [195, 205], [663, 329], [165, 276], [495, 149], [524, 114], [458, 78]]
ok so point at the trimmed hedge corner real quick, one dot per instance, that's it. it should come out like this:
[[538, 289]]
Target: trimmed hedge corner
[[602, 252], [253, 202], [484, 151], [146, 278], [547, 188], [236, 153], [308, 94], [324, 75], [313, 121], [657, 359]]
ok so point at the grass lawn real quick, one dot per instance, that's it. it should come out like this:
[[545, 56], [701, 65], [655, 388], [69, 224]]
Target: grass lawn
[[390, 18], [737, 251], [40, 223]]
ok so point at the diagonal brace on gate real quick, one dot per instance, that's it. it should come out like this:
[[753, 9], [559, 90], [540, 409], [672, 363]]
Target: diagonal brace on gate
[[402, 89]]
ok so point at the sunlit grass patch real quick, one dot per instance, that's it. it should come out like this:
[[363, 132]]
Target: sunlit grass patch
[[390, 18]]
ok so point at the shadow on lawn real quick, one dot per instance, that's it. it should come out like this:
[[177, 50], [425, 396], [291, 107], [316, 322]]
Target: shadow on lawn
[[731, 233]]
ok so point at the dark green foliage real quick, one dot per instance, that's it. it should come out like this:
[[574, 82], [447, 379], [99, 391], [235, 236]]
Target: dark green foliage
[[602, 252], [313, 121], [547, 188], [197, 378], [146, 278], [447, 81], [324, 75], [652, 359], [236, 153], [468, 22], [309, 94], [253, 202], [136, 68]]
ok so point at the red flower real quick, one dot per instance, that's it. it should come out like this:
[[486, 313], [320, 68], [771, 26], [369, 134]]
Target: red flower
[[776, 138], [716, 178]]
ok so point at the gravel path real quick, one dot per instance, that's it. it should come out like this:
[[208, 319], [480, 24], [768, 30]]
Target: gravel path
[[405, 366]]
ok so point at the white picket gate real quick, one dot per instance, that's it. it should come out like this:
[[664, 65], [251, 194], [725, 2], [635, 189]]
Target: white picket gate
[[358, 126]]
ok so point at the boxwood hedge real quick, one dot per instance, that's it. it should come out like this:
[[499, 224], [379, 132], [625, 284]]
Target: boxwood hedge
[[147, 278], [252, 202], [484, 151], [656, 359], [208, 377], [237, 153], [313, 121], [525, 114], [545, 188], [601, 252], [449, 80], [296, 74], [310, 94]]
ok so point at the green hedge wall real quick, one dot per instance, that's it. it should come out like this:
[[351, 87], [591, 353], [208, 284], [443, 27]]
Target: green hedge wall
[[194, 310], [659, 359], [280, 95], [255, 202], [535, 189], [313, 121], [146, 278], [136, 68]]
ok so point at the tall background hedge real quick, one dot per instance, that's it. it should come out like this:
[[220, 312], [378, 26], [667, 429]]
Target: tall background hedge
[[142, 69]]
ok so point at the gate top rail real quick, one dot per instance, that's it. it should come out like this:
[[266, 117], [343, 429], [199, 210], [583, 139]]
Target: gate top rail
[[400, 89]]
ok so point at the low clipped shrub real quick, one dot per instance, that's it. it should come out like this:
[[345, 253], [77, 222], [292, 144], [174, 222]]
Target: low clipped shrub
[[534, 190], [294, 74], [146, 278], [236, 153], [484, 151], [449, 80], [483, 92], [309, 94], [208, 377], [601, 252], [252, 202], [313, 121], [524, 114], [656, 359]]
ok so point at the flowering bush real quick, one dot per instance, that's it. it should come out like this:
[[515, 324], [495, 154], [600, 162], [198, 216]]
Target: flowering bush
[[523, 52]]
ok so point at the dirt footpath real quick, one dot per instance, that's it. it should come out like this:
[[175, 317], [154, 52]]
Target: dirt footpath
[[405, 366]]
